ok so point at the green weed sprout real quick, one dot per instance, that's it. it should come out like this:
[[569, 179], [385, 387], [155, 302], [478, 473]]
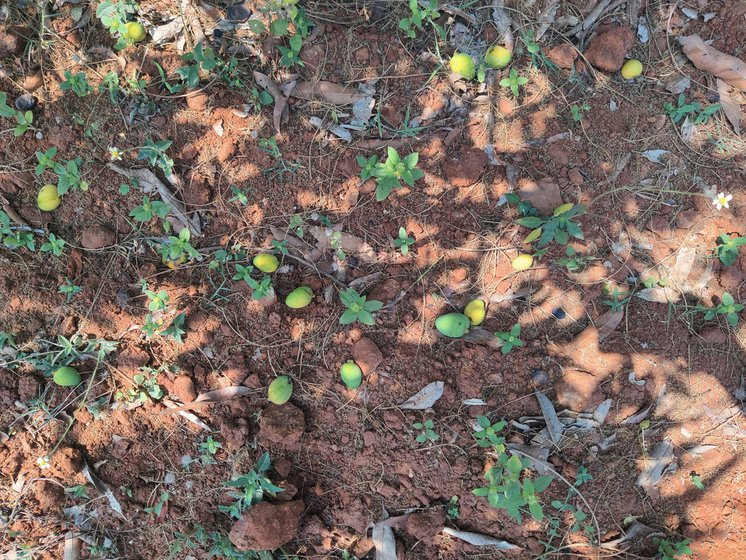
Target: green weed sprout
[[510, 339], [558, 227], [727, 307], [727, 248], [250, 488], [394, 170], [403, 242], [427, 433], [358, 309], [513, 81]]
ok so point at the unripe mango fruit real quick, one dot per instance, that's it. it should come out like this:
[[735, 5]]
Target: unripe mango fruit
[[48, 199], [631, 69], [453, 325], [266, 262], [280, 390], [497, 56], [66, 377], [299, 297], [522, 262], [135, 31], [463, 65], [351, 374]]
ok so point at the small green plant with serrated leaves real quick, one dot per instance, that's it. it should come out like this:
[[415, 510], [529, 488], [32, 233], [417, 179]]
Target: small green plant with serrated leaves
[[208, 449], [727, 307], [510, 340], [513, 81], [558, 227], [69, 289], [69, 173], [78, 491], [673, 550], [288, 19], [260, 288], [176, 329], [54, 245], [403, 241], [534, 50], [178, 249], [114, 15], [157, 301], [24, 119], [157, 508], [45, 160], [569, 512], [358, 308], [155, 154], [393, 171], [149, 209], [578, 111], [250, 488], [692, 110], [203, 59], [367, 166], [145, 387], [77, 83], [418, 15], [15, 237], [427, 432], [574, 261], [727, 248], [238, 196], [506, 487]]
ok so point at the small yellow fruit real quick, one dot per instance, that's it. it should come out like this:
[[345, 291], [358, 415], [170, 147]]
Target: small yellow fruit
[[299, 297], [631, 69], [66, 377], [48, 199], [497, 57], [475, 310], [173, 265], [522, 262], [351, 374], [463, 65], [135, 31], [280, 390], [266, 262]]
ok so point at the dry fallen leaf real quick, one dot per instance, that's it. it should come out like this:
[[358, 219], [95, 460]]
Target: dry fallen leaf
[[280, 113], [327, 238], [731, 109], [608, 322], [329, 91], [213, 397], [478, 539], [425, 398], [724, 66], [383, 540]]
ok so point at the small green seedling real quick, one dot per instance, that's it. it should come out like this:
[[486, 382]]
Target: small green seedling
[[238, 196], [115, 14], [367, 166], [505, 487], [358, 309], [513, 81], [176, 329], [727, 307], [618, 299], [77, 83], [208, 449], [250, 488], [510, 339], [394, 170], [697, 481], [577, 111], [260, 288], [558, 227], [155, 154], [23, 118], [452, 508], [427, 433], [683, 109], [178, 249], [403, 242], [157, 301], [78, 491], [55, 245], [146, 387], [671, 551], [574, 261], [157, 509], [149, 210], [69, 289], [727, 248], [419, 14]]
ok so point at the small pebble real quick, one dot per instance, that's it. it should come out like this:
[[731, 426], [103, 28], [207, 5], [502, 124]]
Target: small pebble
[[559, 313], [237, 12], [539, 377], [25, 102]]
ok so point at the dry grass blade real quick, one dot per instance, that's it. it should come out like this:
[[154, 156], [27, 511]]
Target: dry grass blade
[[553, 423], [478, 539], [728, 68], [104, 489]]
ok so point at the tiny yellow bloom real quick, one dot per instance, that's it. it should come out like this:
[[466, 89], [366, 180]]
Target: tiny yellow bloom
[[115, 153], [43, 462], [721, 200]]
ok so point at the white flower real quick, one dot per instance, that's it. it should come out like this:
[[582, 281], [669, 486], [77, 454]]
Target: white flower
[[721, 200], [43, 462], [115, 153]]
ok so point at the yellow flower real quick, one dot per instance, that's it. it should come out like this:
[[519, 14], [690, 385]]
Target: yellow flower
[[43, 462], [115, 153]]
